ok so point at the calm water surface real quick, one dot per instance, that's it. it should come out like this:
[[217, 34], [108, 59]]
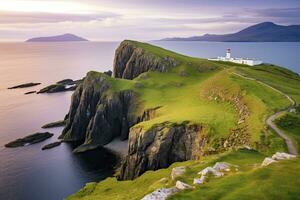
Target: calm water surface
[[28, 172], [285, 54]]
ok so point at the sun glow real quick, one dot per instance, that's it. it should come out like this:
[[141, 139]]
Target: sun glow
[[45, 6]]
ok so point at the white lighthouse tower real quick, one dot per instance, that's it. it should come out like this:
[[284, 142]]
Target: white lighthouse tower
[[244, 61], [228, 54]]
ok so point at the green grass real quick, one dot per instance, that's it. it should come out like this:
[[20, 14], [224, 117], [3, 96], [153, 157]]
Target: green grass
[[183, 98], [290, 123], [193, 97], [280, 78], [278, 181]]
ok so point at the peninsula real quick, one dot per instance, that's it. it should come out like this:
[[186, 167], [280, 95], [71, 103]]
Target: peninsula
[[196, 129]]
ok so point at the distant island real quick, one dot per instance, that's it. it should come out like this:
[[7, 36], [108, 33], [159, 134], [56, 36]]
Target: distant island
[[262, 32], [58, 38]]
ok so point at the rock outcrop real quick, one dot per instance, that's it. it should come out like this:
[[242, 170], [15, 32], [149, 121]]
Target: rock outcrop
[[278, 156], [54, 124], [30, 139], [51, 145], [161, 194], [131, 61], [177, 172], [160, 146], [97, 114], [61, 86], [25, 85]]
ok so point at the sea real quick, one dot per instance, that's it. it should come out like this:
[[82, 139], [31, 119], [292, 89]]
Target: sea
[[30, 173]]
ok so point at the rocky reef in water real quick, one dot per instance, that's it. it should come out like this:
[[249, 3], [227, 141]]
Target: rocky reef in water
[[100, 113], [30, 139]]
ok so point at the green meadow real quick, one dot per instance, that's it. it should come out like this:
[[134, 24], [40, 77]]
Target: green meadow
[[201, 91]]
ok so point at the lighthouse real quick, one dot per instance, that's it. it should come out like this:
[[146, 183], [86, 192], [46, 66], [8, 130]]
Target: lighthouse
[[228, 54], [244, 61]]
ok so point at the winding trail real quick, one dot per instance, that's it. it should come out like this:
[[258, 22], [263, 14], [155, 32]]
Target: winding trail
[[291, 147]]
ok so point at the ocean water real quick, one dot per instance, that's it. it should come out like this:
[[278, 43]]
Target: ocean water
[[285, 54], [28, 172]]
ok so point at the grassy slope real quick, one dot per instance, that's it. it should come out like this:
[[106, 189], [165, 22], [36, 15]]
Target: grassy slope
[[290, 123], [279, 180], [185, 98]]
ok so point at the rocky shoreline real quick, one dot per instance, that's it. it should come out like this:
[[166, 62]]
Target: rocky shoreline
[[96, 118], [61, 86]]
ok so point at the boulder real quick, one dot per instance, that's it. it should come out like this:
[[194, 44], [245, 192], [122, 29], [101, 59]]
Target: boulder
[[223, 166], [267, 161], [161, 145], [160, 194], [210, 170], [282, 156], [177, 172], [201, 180], [182, 186]]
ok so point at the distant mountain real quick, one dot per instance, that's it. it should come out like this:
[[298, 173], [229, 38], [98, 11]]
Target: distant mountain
[[263, 32], [58, 38]]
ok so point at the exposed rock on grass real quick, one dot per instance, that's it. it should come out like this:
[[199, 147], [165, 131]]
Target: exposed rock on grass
[[277, 157], [267, 161], [177, 172], [224, 166], [211, 171], [282, 156], [30, 139], [183, 186], [160, 194], [200, 180]]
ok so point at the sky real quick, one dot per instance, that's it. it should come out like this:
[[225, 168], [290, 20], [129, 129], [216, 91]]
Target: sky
[[115, 20]]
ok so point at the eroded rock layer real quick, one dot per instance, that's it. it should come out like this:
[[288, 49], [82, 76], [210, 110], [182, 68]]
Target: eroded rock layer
[[130, 61], [96, 117], [160, 146]]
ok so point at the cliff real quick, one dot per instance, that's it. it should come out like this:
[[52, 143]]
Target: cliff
[[132, 60], [97, 114], [160, 146]]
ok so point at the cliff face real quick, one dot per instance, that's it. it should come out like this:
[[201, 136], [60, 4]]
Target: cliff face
[[131, 60], [95, 117], [160, 146], [102, 110]]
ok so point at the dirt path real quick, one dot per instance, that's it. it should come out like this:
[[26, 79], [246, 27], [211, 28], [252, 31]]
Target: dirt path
[[270, 121]]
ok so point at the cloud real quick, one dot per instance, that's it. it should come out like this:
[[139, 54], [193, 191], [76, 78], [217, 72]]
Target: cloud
[[138, 19], [279, 15], [34, 17]]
